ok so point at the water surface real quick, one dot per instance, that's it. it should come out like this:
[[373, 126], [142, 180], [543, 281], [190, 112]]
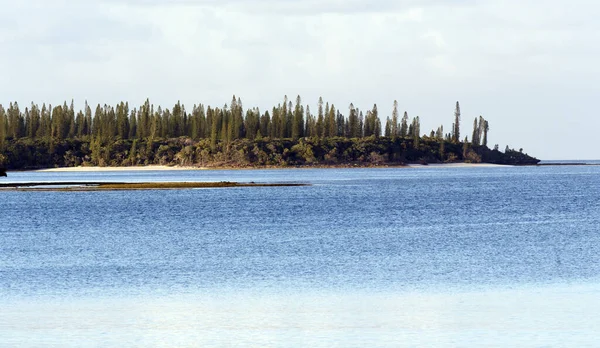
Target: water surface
[[392, 257]]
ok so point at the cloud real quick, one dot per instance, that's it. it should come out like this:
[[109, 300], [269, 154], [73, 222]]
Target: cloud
[[509, 60], [299, 7]]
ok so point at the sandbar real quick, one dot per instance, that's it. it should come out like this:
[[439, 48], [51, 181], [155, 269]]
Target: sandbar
[[123, 186]]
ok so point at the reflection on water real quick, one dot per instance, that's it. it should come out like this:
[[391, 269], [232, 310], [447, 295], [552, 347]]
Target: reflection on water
[[524, 317]]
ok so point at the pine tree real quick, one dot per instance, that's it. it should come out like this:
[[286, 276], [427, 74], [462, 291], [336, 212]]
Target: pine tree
[[36, 118], [87, 128], [265, 124], [353, 122], [237, 119], [214, 129], [289, 120], [252, 123], [45, 123], [204, 129], [72, 128], [227, 126], [311, 124], [404, 126], [457, 123], [439, 134], [374, 123], [377, 129], [298, 120], [394, 126], [16, 122], [388, 127], [361, 124], [370, 122], [57, 121], [110, 124], [132, 124], [123, 120], [340, 125], [156, 128], [486, 128], [320, 119], [28, 122], [283, 118], [3, 128], [133, 153], [70, 120], [143, 122], [475, 136], [331, 124], [79, 124], [275, 122], [416, 131]]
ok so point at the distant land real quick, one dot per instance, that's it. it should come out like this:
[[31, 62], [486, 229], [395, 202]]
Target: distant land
[[569, 163], [230, 137]]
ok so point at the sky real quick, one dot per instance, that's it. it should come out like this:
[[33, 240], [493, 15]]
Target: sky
[[529, 67]]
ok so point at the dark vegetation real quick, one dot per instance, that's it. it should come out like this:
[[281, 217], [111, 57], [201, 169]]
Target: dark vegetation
[[287, 135]]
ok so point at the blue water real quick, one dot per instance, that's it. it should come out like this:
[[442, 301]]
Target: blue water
[[355, 233]]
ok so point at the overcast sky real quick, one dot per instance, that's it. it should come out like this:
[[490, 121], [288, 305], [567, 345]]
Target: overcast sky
[[530, 67]]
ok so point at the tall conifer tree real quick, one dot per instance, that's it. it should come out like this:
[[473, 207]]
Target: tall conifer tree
[[457, 123]]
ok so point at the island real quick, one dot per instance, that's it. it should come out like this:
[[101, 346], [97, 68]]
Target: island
[[288, 135]]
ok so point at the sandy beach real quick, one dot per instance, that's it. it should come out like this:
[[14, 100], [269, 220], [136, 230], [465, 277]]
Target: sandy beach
[[118, 169], [173, 168]]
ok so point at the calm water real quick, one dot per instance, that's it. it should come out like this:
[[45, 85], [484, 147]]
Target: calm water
[[378, 257]]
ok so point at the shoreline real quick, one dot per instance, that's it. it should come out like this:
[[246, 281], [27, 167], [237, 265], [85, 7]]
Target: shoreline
[[183, 168], [119, 169]]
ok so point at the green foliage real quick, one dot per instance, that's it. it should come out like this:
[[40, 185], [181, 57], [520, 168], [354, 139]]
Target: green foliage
[[456, 125], [27, 153], [509, 156], [210, 136]]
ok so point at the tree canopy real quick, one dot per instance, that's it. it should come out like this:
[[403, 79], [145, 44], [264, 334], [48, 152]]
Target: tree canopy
[[288, 133]]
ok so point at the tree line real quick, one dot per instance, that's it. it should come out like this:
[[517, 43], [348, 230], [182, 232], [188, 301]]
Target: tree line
[[45, 129], [230, 122]]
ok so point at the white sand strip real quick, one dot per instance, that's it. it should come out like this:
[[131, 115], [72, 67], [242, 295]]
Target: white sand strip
[[117, 169]]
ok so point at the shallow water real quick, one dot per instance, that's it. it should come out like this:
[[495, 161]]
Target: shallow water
[[393, 257]]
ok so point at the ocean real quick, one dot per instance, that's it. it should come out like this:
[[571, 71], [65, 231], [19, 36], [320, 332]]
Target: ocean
[[381, 257]]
